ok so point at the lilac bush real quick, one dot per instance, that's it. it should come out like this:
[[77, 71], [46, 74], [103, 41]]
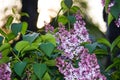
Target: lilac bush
[[75, 62]]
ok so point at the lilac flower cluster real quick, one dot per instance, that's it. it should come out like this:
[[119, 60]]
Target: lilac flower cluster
[[5, 71], [48, 28], [111, 3], [103, 2], [117, 22], [76, 63]]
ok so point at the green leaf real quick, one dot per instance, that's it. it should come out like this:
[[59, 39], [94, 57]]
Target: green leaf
[[115, 42], [21, 45], [39, 70], [62, 19], [4, 60], [100, 52], [1, 40], [63, 6], [16, 28], [116, 75], [48, 38], [110, 18], [74, 9], [113, 65], [68, 3], [115, 10], [47, 48], [104, 41], [5, 46], [11, 36], [24, 27], [9, 22], [50, 62], [30, 47], [33, 77], [24, 14], [30, 37], [72, 19], [118, 44], [91, 47], [3, 33], [106, 4], [46, 76], [19, 68], [5, 52]]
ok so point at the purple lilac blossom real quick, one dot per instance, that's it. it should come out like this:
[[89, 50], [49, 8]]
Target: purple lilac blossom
[[48, 27], [69, 42], [117, 22], [103, 2], [5, 71], [111, 4]]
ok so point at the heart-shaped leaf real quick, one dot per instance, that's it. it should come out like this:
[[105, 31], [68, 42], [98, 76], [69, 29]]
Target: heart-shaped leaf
[[68, 3], [19, 67], [30, 37], [48, 38], [16, 28], [39, 70], [91, 47], [47, 48], [21, 45]]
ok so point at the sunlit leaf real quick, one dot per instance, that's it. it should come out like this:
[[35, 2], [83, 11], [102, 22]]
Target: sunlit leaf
[[30, 47], [3, 33], [5, 46], [9, 22], [46, 76], [24, 14], [106, 4], [4, 60], [110, 18], [11, 36], [48, 38], [47, 48], [62, 19], [115, 42], [74, 9], [24, 27], [21, 45]]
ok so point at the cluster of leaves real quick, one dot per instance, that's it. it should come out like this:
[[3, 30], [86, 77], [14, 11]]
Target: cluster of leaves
[[33, 55]]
